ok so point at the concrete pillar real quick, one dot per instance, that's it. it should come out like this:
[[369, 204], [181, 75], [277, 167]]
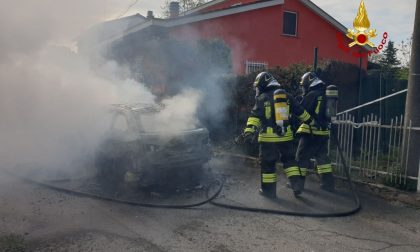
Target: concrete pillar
[[412, 111]]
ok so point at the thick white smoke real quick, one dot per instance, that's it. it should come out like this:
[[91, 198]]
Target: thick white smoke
[[53, 106], [179, 113]]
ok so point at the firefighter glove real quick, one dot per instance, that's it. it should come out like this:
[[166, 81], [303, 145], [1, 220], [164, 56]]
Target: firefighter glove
[[246, 137]]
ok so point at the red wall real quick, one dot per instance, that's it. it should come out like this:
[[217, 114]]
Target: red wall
[[257, 35]]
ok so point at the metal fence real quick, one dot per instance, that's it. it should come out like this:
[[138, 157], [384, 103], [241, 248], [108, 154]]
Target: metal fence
[[374, 152], [255, 66]]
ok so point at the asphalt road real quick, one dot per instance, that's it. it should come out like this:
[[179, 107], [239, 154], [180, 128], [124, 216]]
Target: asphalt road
[[53, 221]]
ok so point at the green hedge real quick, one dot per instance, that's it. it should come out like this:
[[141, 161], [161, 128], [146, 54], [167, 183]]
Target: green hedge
[[345, 76]]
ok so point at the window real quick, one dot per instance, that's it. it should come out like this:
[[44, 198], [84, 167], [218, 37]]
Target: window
[[254, 66], [290, 23]]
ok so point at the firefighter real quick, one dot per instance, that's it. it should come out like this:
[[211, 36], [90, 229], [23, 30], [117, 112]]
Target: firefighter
[[313, 137], [269, 119]]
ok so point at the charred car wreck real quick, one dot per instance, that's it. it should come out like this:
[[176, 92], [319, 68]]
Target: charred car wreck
[[132, 155]]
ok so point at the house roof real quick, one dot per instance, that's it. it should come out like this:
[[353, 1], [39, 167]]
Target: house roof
[[324, 15], [108, 30], [307, 3], [220, 13], [202, 7], [210, 4], [192, 16]]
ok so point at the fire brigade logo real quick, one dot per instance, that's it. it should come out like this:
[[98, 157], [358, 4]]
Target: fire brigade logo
[[361, 32], [361, 35]]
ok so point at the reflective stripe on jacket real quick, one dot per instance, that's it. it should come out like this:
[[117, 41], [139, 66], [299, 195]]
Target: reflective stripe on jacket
[[314, 102], [262, 118]]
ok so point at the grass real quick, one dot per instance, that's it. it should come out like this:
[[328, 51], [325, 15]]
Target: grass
[[12, 243], [410, 185]]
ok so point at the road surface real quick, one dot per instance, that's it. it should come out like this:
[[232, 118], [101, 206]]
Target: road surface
[[53, 221]]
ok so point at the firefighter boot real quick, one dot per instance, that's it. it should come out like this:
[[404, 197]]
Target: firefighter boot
[[327, 181], [302, 182], [296, 183], [268, 190], [303, 174]]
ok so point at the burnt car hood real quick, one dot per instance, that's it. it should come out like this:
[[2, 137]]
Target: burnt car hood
[[175, 139]]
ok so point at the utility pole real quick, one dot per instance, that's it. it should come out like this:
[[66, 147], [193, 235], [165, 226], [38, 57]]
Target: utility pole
[[412, 108]]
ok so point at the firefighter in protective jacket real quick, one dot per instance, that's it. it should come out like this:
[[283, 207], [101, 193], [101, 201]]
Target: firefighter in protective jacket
[[313, 142], [269, 119]]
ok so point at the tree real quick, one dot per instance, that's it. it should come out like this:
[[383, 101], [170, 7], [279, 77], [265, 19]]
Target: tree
[[404, 48], [184, 5], [404, 54], [389, 59], [375, 58], [374, 61]]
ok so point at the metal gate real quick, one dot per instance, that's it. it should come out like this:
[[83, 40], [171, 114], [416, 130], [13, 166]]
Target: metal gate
[[374, 152]]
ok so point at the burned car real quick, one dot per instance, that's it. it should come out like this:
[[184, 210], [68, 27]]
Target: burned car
[[130, 154]]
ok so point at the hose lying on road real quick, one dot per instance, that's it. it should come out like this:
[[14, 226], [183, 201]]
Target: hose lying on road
[[210, 198], [356, 208], [133, 203]]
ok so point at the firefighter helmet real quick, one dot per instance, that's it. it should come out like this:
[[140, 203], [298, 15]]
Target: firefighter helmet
[[310, 81], [264, 80]]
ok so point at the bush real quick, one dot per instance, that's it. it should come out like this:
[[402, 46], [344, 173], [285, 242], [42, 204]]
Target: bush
[[343, 75]]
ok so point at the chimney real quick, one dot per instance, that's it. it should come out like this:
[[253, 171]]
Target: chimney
[[150, 14], [173, 9]]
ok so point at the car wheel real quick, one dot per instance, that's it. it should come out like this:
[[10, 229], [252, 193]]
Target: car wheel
[[110, 171]]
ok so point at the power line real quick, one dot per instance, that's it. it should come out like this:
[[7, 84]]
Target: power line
[[128, 8]]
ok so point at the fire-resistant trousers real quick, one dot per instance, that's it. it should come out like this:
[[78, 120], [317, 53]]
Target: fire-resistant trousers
[[269, 154], [312, 146]]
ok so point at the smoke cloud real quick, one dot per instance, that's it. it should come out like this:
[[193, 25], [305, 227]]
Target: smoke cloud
[[179, 113], [54, 109], [54, 103]]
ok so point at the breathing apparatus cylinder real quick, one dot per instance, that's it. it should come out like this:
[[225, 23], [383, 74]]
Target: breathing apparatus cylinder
[[332, 99], [281, 108]]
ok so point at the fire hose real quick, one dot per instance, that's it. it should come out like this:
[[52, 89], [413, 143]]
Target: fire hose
[[47, 184], [211, 197], [352, 211]]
